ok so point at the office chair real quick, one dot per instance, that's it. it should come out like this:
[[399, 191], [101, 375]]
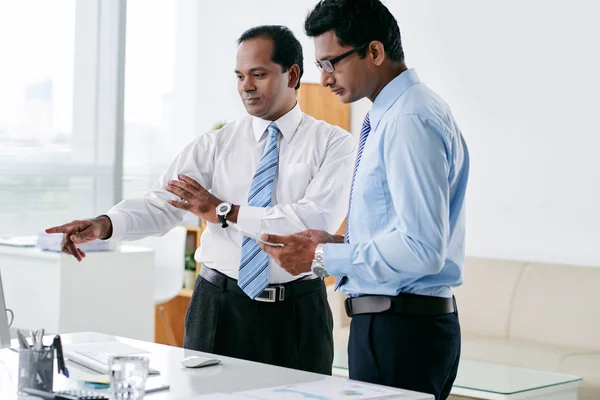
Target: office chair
[[169, 256]]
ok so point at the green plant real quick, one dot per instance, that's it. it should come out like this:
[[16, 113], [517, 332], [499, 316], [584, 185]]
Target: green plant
[[218, 125], [190, 262]]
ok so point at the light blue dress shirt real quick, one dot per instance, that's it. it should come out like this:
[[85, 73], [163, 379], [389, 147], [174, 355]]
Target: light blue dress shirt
[[407, 217]]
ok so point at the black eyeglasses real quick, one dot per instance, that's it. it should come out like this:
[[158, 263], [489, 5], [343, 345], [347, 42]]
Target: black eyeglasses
[[328, 65]]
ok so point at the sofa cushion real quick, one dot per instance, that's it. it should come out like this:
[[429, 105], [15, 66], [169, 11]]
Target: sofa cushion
[[557, 304], [484, 299], [514, 352], [586, 366]]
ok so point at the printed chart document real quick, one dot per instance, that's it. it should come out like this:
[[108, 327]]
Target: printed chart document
[[334, 389], [222, 396]]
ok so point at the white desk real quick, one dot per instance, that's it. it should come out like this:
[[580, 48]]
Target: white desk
[[231, 376], [109, 292]]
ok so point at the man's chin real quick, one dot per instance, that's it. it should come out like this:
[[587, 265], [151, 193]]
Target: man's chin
[[255, 111], [348, 97], [345, 97]]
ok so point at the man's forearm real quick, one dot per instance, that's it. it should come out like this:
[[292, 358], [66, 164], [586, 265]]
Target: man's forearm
[[105, 225]]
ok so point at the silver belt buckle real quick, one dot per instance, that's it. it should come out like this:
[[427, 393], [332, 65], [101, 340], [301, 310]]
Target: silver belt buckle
[[272, 292]]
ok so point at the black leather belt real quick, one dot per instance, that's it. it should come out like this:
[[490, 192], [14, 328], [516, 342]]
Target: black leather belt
[[272, 294], [401, 304]]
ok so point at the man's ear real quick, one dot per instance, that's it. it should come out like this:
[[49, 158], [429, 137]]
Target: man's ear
[[376, 51], [294, 74]]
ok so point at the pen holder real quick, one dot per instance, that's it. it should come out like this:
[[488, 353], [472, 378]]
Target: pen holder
[[36, 369]]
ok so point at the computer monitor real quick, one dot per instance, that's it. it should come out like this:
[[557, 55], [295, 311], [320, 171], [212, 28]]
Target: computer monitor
[[4, 331]]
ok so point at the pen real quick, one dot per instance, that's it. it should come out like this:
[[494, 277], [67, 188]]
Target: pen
[[60, 359], [22, 341], [39, 340], [32, 335]]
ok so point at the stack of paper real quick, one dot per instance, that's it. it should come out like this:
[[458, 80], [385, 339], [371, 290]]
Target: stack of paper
[[52, 242], [19, 241]]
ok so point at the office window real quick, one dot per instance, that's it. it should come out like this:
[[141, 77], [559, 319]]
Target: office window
[[60, 95], [36, 81]]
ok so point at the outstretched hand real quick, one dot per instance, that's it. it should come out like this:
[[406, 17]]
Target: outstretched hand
[[82, 231]]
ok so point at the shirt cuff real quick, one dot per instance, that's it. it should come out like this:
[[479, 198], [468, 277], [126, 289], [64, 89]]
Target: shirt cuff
[[250, 219], [119, 225], [338, 258]]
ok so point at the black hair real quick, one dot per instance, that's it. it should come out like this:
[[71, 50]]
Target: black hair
[[357, 23], [287, 50]]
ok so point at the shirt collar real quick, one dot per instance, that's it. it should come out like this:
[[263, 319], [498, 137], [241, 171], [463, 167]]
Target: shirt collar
[[390, 93], [287, 124]]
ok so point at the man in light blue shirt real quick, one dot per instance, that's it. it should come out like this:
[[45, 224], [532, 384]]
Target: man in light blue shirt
[[404, 246]]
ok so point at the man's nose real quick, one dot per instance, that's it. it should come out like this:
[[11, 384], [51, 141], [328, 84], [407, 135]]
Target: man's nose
[[248, 85], [326, 78]]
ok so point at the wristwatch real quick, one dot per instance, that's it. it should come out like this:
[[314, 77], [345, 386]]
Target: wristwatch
[[223, 210], [318, 267]]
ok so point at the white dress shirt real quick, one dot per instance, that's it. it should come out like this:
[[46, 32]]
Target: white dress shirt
[[310, 190]]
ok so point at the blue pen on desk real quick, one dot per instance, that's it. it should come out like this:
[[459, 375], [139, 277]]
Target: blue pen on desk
[[62, 366]]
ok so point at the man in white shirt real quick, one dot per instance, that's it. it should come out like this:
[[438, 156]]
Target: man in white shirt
[[277, 170]]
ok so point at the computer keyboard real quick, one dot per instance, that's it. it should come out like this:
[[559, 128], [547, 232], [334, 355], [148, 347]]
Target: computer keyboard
[[66, 394], [96, 361]]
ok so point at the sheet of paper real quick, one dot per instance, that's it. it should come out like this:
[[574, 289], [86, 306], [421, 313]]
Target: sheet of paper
[[221, 396], [333, 389], [115, 348]]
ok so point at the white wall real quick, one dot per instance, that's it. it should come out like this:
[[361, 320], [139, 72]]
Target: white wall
[[522, 80], [222, 23]]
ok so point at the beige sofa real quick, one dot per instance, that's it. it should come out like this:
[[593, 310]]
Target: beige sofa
[[534, 315]]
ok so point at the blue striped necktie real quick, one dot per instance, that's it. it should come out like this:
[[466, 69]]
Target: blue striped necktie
[[254, 267], [364, 133]]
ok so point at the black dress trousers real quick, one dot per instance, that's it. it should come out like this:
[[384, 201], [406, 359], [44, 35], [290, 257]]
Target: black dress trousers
[[413, 352], [294, 333]]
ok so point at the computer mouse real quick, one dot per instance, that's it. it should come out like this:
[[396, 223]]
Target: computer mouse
[[197, 362]]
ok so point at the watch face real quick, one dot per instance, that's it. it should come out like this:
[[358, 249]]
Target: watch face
[[223, 208]]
